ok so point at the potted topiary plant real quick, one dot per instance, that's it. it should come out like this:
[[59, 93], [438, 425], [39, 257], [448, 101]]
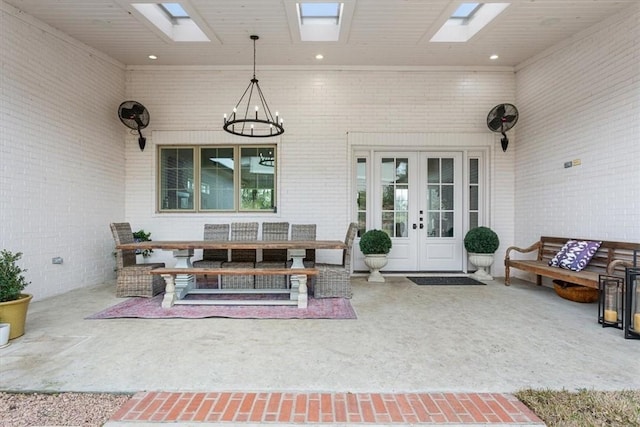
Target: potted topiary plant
[[13, 303], [375, 245], [481, 243]]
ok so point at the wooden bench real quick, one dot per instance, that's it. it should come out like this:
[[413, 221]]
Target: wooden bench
[[610, 259], [297, 292]]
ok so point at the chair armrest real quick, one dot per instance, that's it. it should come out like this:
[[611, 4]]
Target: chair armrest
[[615, 263], [534, 247]]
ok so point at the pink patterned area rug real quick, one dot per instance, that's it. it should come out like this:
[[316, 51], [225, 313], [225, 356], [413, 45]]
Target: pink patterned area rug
[[149, 308]]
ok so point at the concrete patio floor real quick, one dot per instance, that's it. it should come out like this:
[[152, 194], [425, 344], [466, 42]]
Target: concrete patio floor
[[406, 339]]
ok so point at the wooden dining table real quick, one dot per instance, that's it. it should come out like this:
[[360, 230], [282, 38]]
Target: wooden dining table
[[183, 251]]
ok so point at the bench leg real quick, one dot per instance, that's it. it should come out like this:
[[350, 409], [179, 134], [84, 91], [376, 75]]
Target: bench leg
[[302, 291], [507, 277], [169, 291], [184, 282]]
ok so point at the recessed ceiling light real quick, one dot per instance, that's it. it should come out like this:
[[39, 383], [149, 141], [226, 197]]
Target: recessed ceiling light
[[153, 57], [494, 57], [319, 56]]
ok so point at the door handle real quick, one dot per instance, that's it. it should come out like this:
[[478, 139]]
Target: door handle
[[415, 226], [421, 226]]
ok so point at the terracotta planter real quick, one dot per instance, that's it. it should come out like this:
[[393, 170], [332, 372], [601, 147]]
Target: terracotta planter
[[15, 313], [375, 262]]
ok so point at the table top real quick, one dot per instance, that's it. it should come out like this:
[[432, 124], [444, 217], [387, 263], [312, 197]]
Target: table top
[[248, 244]]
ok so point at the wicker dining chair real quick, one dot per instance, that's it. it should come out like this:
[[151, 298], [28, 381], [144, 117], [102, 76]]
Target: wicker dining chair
[[333, 280], [241, 258], [133, 280], [273, 258], [305, 232], [213, 258]]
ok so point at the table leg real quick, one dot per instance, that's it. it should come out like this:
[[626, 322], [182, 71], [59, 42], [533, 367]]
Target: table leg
[[184, 282], [169, 291]]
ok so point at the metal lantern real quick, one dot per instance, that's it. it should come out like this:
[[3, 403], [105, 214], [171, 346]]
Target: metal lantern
[[632, 317], [610, 301]]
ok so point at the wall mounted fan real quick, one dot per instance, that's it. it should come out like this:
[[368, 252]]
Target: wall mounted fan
[[134, 116], [501, 118]]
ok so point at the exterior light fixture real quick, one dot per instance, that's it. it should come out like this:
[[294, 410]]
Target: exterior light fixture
[[610, 301], [253, 119], [632, 314]]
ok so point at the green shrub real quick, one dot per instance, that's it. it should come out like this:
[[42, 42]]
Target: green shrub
[[142, 236], [481, 240], [12, 282], [375, 242]]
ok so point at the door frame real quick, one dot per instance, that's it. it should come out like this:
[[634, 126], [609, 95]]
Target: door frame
[[475, 145]]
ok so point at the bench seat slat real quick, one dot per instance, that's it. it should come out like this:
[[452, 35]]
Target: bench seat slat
[[237, 271]]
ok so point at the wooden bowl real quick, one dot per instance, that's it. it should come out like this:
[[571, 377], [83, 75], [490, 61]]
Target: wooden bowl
[[574, 292]]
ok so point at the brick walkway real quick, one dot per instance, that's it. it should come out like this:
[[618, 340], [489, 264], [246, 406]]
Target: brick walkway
[[317, 408]]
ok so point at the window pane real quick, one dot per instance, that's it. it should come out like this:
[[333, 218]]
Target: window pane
[[388, 222], [473, 198], [433, 224], [402, 171], [473, 171], [433, 170], [447, 224], [176, 179], [361, 176], [402, 198], [402, 224], [447, 197], [387, 197], [473, 220], [434, 197], [257, 173], [216, 175], [447, 171]]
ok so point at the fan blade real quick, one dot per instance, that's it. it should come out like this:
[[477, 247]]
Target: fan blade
[[500, 110], [495, 124], [129, 113], [509, 119]]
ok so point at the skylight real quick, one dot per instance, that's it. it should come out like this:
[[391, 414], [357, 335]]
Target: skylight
[[172, 21], [319, 13], [467, 20], [465, 10], [174, 10], [319, 22]]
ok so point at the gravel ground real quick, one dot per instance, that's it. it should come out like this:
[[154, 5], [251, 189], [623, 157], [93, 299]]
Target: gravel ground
[[58, 409]]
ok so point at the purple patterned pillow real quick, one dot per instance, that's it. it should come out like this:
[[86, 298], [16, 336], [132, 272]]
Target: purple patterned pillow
[[575, 254], [561, 255]]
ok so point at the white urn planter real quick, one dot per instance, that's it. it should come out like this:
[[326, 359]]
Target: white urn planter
[[375, 262], [483, 262]]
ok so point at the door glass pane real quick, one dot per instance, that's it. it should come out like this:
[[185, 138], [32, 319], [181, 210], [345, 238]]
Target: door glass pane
[[402, 224], [433, 170], [474, 192], [402, 176], [473, 197], [257, 184], [447, 197], [440, 197], [216, 174], [387, 222], [395, 195], [361, 184], [447, 224], [176, 179], [433, 224], [447, 171], [433, 197]]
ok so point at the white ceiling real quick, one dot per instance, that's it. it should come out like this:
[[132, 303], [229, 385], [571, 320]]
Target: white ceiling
[[381, 32]]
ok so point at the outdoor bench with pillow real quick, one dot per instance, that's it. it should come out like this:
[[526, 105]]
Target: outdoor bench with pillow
[[578, 261]]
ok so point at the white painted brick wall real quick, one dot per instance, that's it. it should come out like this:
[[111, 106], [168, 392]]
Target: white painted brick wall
[[581, 101], [61, 150], [319, 108]]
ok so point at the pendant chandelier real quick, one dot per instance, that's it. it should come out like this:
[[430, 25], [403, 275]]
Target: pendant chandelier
[[253, 119]]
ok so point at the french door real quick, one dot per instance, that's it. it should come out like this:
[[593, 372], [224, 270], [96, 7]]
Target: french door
[[417, 199]]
